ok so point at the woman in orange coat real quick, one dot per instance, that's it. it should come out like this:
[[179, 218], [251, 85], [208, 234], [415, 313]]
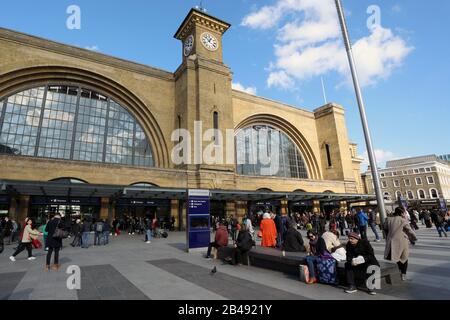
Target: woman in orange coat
[[268, 231]]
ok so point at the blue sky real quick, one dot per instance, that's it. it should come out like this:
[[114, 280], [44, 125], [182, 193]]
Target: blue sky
[[281, 49]]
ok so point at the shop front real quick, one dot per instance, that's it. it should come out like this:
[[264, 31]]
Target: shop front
[[42, 208], [144, 208], [300, 207]]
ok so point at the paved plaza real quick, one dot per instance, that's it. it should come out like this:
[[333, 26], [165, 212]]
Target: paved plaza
[[129, 269]]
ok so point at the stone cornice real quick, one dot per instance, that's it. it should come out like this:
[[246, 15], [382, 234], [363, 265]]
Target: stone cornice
[[196, 17], [75, 52], [268, 102]]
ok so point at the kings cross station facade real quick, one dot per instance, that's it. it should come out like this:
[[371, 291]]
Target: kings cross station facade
[[90, 134]]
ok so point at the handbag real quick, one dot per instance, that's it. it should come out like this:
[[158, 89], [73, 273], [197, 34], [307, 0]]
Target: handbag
[[36, 243], [60, 233]]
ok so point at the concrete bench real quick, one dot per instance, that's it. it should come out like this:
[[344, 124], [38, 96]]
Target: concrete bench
[[226, 252], [271, 258]]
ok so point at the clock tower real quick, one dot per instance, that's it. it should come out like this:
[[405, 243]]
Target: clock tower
[[204, 96], [201, 34]]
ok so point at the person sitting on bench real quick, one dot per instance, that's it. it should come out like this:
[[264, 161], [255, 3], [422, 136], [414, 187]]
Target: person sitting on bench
[[317, 248], [220, 240], [293, 241], [244, 244], [360, 256]]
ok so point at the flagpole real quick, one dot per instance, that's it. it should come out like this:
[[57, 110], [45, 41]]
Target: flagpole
[[362, 112]]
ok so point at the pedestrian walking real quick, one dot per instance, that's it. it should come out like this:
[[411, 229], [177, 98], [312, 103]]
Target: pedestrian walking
[[25, 240], [363, 220], [438, 221], [76, 230], [398, 236], [54, 242], [106, 231], [86, 230], [372, 223]]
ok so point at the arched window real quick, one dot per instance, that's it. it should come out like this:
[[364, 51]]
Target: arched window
[[434, 194], [73, 123], [398, 194], [410, 195], [421, 194], [387, 196], [265, 151]]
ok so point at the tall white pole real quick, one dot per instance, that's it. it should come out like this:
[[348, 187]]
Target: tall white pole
[[323, 90], [362, 111]]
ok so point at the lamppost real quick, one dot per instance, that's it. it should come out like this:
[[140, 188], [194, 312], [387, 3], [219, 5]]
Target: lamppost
[[362, 112]]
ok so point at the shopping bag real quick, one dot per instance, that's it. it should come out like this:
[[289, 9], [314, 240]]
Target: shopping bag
[[327, 270], [304, 273], [36, 243]]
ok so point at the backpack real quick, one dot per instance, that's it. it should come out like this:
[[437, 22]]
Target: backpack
[[99, 227]]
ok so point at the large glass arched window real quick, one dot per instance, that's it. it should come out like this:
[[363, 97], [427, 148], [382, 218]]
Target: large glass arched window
[[265, 151], [73, 123]]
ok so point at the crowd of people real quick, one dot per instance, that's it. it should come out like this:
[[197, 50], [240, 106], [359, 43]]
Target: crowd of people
[[323, 247]]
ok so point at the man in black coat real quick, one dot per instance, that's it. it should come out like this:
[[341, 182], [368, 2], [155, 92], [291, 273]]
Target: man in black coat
[[293, 241], [53, 243], [360, 256]]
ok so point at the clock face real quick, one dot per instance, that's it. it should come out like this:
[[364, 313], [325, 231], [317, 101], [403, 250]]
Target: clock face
[[209, 41], [188, 45]]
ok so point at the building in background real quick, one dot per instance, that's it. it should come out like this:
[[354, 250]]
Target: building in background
[[89, 134], [422, 181]]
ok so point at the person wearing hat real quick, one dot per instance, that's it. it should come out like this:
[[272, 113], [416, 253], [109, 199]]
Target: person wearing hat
[[360, 256]]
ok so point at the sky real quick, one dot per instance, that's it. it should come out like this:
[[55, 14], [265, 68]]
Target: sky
[[284, 49]]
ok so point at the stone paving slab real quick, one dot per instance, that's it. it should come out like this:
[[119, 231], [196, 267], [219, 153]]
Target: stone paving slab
[[8, 282], [104, 282], [223, 284]]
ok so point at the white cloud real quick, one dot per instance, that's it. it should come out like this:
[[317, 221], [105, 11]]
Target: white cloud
[[92, 48], [280, 79], [309, 44], [382, 156], [397, 8], [240, 87]]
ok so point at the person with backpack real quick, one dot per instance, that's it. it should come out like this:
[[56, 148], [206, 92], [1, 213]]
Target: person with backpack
[[25, 240], [54, 243], [98, 229], [360, 256]]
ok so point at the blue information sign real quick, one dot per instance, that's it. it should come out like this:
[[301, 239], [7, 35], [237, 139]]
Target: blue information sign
[[198, 219]]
